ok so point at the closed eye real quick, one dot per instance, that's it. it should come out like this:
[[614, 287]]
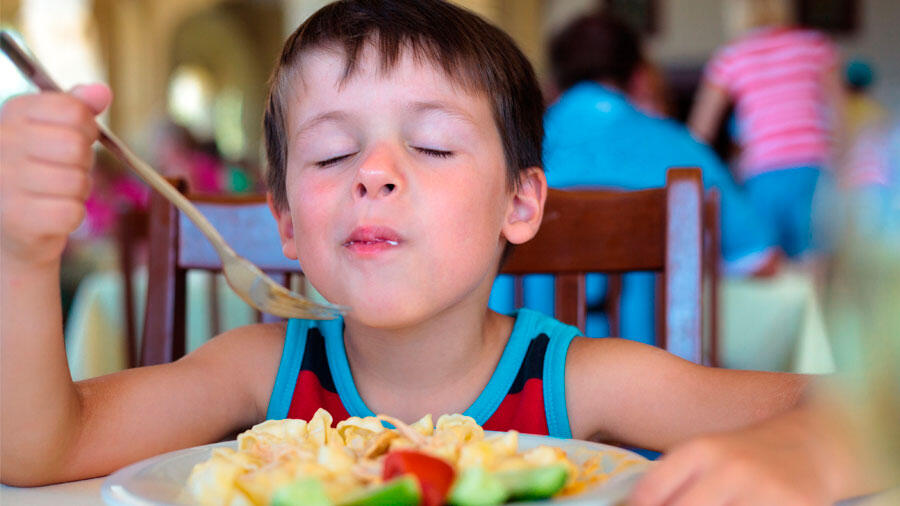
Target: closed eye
[[434, 152], [332, 161]]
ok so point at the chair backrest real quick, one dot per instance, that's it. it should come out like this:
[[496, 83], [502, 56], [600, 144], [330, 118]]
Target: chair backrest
[[177, 246], [610, 231]]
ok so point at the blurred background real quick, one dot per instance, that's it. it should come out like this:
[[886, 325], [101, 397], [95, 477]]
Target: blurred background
[[189, 80]]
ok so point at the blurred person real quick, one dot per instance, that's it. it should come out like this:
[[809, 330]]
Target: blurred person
[[597, 134], [786, 89], [649, 92], [180, 154], [871, 183], [861, 110]]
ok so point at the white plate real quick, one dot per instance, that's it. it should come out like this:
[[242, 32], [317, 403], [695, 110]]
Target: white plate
[[161, 480]]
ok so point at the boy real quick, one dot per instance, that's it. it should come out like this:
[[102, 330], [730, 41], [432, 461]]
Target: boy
[[403, 141]]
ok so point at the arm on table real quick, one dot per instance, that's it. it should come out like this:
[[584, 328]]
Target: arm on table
[[729, 434]]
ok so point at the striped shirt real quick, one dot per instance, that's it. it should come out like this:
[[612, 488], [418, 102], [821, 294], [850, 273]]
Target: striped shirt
[[526, 392], [776, 77]]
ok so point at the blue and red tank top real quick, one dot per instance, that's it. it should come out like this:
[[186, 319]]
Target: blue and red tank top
[[525, 393]]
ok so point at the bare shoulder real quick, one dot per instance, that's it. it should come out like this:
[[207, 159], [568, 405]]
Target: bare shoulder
[[639, 394], [249, 355]]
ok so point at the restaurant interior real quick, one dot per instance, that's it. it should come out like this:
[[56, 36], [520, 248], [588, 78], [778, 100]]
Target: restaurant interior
[[190, 80]]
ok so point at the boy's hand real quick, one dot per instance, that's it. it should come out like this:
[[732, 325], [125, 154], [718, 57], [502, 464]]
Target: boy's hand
[[45, 159], [746, 467]]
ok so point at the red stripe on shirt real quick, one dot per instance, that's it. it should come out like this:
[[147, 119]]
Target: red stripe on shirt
[[309, 396], [523, 411]]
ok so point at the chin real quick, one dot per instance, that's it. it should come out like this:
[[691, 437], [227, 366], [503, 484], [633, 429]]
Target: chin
[[384, 314]]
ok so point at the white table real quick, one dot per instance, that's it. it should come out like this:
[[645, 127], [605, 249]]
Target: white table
[[76, 493]]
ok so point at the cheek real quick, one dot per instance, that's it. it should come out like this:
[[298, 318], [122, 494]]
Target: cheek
[[469, 220], [310, 212]]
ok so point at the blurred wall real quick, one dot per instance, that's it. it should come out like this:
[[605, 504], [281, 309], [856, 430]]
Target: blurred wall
[[522, 19]]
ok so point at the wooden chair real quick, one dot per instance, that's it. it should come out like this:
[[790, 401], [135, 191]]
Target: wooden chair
[[614, 232], [177, 246]]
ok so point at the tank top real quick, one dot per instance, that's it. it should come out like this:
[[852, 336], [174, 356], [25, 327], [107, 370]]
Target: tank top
[[526, 392]]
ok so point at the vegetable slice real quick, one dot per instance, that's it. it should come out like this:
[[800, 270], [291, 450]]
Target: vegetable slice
[[306, 491], [435, 476], [403, 491], [534, 484], [477, 487]]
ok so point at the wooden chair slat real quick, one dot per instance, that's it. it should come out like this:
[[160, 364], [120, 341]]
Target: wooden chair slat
[[684, 257], [570, 304]]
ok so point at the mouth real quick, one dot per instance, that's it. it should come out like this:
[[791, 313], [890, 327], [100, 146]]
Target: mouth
[[370, 240]]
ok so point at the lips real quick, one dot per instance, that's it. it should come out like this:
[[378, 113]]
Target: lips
[[370, 240]]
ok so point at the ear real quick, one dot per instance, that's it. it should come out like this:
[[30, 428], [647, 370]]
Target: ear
[[285, 228], [526, 207]]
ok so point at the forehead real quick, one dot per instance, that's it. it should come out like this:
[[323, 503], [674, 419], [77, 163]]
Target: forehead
[[321, 80]]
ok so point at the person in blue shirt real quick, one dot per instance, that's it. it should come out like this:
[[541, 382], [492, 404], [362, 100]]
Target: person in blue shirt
[[597, 136]]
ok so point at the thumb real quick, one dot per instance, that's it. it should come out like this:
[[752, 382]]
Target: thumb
[[97, 96]]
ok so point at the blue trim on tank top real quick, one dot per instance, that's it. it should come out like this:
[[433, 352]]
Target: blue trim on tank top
[[288, 369], [554, 378]]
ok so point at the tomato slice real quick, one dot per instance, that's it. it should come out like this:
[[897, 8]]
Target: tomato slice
[[435, 476]]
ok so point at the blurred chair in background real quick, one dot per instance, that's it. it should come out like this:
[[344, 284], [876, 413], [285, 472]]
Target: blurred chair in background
[[177, 246], [659, 230]]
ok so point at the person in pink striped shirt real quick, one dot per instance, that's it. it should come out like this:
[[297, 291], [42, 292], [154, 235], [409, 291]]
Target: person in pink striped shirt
[[785, 86]]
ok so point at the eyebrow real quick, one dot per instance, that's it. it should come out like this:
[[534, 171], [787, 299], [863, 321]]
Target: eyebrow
[[416, 107], [335, 115], [441, 107]]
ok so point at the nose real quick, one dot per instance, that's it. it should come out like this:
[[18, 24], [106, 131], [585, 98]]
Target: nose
[[379, 175]]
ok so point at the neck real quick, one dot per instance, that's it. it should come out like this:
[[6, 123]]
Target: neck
[[439, 365]]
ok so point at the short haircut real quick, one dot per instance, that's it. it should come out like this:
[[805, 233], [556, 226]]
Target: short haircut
[[595, 47], [471, 52]]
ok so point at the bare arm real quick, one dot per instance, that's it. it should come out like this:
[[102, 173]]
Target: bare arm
[[653, 399], [53, 429], [202, 398], [730, 436], [56, 430], [706, 114], [812, 454]]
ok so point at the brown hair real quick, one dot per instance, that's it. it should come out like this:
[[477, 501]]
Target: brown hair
[[470, 51], [595, 47]]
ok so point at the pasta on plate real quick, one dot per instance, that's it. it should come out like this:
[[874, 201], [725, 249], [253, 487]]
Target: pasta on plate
[[362, 462]]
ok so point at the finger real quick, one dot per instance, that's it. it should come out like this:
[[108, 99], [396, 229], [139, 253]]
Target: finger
[[51, 180], [97, 96], [711, 489], [60, 109], [59, 144], [673, 472]]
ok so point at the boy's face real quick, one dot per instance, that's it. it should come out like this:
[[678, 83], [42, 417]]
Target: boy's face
[[396, 187]]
